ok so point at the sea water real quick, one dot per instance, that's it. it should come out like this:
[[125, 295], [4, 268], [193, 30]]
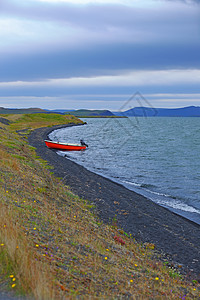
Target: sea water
[[156, 157]]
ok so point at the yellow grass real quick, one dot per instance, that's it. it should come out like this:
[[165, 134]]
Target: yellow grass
[[55, 247]]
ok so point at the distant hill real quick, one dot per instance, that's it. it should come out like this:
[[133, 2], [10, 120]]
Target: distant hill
[[190, 111], [91, 113], [21, 110], [61, 111]]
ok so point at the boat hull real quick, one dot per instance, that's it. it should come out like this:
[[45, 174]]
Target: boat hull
[[64, 147]]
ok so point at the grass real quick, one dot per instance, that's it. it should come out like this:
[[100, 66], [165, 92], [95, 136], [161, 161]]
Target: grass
[[52, 245], [32, 121]]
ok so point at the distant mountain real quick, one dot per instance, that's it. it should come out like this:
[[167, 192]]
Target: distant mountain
[[62, 111], [92, 113], [190, 111], [21, 110]]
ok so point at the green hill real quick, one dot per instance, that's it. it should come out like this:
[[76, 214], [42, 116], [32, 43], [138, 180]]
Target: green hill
[[92, 113], [20, 111]]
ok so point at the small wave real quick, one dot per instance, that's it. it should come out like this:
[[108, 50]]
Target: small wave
[[132, 183], [161, 194], [61, 153], [196, 192], [179, 206], [148, 185], [175, 188]]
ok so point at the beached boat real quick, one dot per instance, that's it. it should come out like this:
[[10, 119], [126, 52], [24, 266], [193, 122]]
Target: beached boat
[[64, 146]]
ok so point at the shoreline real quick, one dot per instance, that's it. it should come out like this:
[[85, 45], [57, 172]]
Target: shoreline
[[175, 236]]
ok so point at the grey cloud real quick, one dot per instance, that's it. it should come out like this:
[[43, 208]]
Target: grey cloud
[[62, 91], [167, 38], [91, 16], [98, 16], [185, 1], [103, 25], [105, 60]]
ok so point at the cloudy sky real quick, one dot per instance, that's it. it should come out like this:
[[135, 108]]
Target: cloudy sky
[[98, 53]]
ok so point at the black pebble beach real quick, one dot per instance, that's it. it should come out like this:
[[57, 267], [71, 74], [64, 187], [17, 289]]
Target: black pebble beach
[[173, 235]]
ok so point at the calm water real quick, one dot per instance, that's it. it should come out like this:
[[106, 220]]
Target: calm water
[[156, 157]]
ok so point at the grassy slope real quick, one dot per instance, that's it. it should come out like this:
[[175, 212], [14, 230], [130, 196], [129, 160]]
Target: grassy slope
[[32, 121], [54, 246]]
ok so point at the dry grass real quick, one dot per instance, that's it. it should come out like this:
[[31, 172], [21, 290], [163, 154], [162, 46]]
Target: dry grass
[[29, 275], [56, 248]]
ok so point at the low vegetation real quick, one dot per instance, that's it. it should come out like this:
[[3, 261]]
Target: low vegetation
[[53, 246], [32, 121]]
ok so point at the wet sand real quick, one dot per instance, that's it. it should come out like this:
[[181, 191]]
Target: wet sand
[[178, 238]]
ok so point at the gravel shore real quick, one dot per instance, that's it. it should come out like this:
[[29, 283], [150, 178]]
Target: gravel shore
[[172, 234]]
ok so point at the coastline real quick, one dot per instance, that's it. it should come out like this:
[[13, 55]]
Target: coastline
[[177, 237]]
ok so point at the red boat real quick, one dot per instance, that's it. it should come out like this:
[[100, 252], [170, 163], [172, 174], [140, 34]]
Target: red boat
[[64, 146]]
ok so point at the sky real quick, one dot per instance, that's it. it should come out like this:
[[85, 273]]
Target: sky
[[71, 54]]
